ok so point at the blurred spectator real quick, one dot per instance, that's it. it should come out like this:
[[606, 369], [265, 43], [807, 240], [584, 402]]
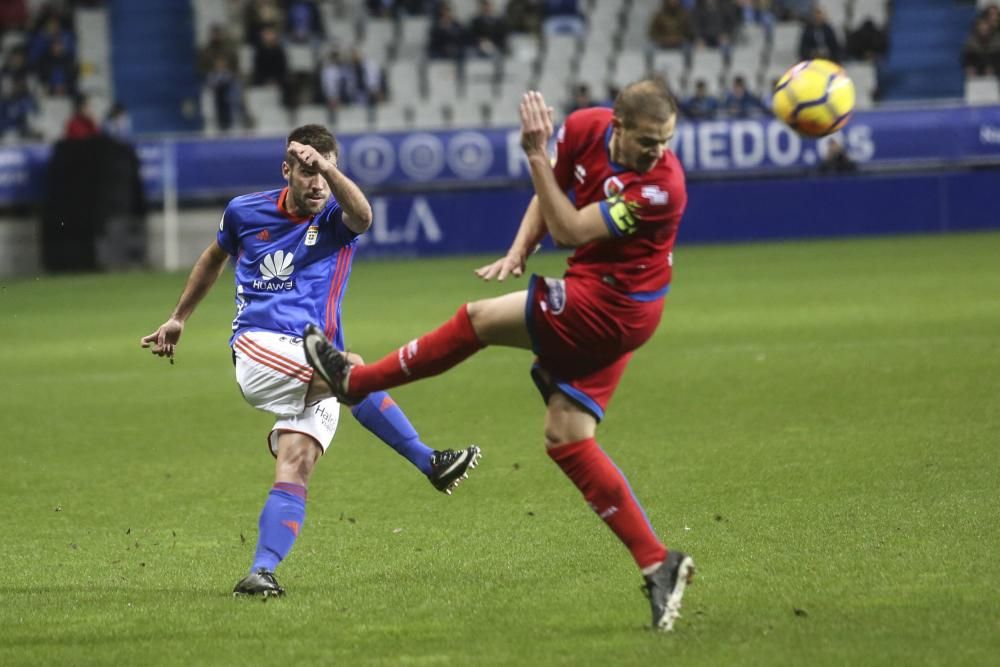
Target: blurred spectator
[[380, 8], [563, 17], [524, 16], [227, 93], [17, 105], [671, 27], [488, 32], [866, 42], [981, 52], [48, 11], [447, 37], [701, 105], [15, 67], [613, 90], [258, 16], [219, 45], [740, 102], [57, 69], [395, 8], [580, 99], [331, 82], [792, 10], [363, 80], [991, 13], [270, 62], [756, 12], [219, 63], [117, 123], [818, 38], [358, 80], [49, 31], [767, 96], [81, 124], [836, 160], [303, 21], [715, 22]]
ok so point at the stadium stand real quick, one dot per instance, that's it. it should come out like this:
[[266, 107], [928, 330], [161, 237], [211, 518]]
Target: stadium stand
[[155, 59], [614, 50], [155, 49]]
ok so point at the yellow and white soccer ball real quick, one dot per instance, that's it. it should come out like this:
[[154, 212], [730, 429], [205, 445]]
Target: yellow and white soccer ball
[[815, 98]]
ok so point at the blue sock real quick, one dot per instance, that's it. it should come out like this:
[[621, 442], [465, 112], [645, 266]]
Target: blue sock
[[379, 414], [280, 521]]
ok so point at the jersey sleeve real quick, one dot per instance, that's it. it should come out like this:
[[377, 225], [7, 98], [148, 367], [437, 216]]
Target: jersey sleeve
[[333, 215], [641, 205], [228, 237], [565, 152]]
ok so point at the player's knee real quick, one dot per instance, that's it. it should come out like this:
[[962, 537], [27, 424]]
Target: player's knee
[[297, 455], [553, 439], [566, 421], [560, 429], [474, 309]]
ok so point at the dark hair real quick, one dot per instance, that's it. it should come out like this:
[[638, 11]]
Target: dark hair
[[648, 98], [316, 136]]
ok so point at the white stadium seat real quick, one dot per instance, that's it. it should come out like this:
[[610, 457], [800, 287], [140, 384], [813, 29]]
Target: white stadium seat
[[390, 117], [982, 90], [301, 58], [785, 48], [865, 80]]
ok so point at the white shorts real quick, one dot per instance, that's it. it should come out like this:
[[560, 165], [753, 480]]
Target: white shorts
[[274, 376]]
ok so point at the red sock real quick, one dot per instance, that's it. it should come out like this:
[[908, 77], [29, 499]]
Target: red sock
[[606, 490], [433, 353]]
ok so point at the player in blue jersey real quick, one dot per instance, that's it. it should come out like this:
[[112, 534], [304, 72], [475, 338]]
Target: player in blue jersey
[[292, 249]]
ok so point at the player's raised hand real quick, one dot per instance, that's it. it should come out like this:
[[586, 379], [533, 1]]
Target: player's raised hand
[[536, 123], [511, 265], [308, 156], [163, 341]]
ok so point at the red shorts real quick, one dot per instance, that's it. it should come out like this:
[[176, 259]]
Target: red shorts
[[583, 333]]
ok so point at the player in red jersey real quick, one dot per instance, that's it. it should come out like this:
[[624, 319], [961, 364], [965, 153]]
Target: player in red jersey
[[629, 196]]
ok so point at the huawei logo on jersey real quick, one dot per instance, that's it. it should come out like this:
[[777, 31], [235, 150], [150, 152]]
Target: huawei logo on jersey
[[264, 235], [277, 265]]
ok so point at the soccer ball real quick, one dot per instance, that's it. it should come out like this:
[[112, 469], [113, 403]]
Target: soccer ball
[[815, 98]]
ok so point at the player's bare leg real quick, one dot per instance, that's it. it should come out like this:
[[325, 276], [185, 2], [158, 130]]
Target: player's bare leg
[[569, 439], [283, 513], [500, 320]]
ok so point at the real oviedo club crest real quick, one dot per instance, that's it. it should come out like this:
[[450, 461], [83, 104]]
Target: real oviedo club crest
[[312, 234]]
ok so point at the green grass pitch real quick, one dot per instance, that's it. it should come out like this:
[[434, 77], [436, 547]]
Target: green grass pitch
[[817, 423]]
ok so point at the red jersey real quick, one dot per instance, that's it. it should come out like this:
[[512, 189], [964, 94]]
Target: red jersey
[[642, 211]]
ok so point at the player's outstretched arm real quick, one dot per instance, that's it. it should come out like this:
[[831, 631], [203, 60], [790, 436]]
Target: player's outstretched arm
[[357, 210], [529, 235], [203, 275], [568, 226]]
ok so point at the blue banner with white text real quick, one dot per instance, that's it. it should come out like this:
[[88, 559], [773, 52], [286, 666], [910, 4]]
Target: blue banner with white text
[[485, 221], [454, 160]]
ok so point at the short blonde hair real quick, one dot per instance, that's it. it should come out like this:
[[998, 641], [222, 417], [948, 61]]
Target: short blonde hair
[[648, 98]]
